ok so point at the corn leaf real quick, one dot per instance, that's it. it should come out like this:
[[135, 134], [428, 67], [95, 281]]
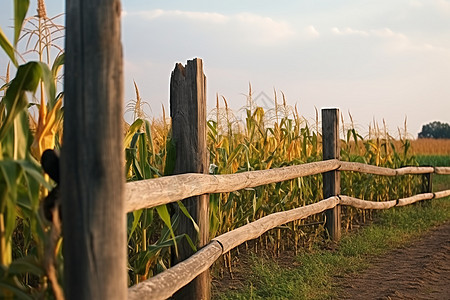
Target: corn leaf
[[132, 131], [136, 217], [165, 217], [27, 79], [7, 47], [188, 215], [20, 11]]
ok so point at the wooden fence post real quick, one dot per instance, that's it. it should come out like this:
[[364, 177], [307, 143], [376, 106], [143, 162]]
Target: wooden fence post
[[92, 157], [188, 112], [427, 186], [331, 180], [427, 183]]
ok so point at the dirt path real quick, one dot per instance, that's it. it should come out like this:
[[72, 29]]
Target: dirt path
[[420, 270]]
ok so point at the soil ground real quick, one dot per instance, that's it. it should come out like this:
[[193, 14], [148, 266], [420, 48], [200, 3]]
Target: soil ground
[[420, 270]]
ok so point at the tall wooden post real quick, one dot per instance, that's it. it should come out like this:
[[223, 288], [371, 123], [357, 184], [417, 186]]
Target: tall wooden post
[[92, 183], [427, 183], [427, 187], [331, 180], [188, 112]]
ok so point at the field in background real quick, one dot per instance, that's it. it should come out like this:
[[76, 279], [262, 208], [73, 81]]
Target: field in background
[[438, 147], [261, 139]]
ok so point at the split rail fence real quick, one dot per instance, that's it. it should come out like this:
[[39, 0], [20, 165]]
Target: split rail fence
[[96, 198], [165, 190]]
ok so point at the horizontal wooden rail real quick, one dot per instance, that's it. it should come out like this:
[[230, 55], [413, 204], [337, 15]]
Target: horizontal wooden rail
[[158, 191], [165, 284], [364, 168], [442, 194], [442, 170], [168, 282], [255, 229], [364, 204]]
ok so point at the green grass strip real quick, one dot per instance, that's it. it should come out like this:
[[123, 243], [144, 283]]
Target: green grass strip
[[311, 276]]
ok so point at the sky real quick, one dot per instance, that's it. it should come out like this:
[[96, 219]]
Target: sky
[[378, 60]]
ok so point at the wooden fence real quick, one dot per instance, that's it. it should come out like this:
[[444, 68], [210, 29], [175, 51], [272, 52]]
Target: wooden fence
[[96, 199], [153, 192], [159, 191]]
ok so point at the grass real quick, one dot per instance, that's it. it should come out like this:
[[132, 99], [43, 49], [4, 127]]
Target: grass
[[440, 182], [311, 276], [434, 160]]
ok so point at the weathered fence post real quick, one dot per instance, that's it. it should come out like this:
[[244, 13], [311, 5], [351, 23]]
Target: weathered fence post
[[92, 183], [427, 183], [331, 180], [188, 112], [427, 186]]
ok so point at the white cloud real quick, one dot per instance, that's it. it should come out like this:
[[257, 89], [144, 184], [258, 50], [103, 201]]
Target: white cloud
[[248, 26], [190, 15], [349, 31], [264, 25], [442, 5], [388, 33], [392, 41], [312, 31]]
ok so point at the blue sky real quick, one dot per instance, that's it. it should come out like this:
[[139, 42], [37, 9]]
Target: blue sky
[[376, 59]]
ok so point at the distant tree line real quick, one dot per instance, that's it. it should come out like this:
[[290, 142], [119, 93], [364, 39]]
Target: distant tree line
[[435, 130]]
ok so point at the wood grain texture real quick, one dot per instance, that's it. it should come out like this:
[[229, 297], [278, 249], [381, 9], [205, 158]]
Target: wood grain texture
[[154, 192], [442, 170], [92, 160], [165, 284], [414, 199], [369, 169], [442, 194], [188, 112], [332, 179], [364, 168], [365, 204], [414, 170], [255, 229]]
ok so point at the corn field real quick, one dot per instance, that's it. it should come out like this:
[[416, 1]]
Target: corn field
[[30, 248], [264, 139]]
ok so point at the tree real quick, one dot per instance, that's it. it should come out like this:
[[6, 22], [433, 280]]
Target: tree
[[435, 130]]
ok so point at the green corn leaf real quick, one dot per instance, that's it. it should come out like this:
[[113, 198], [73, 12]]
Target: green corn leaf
[[132, 131], [57, 64], [148, 132], [32, 169], [136, 217], [17, 292], [165, 217], [21, 134], [7, 47], [189, 240], [148, 218], [188, 215], [20, 11], [169, 165], [143, 162], [9, 175], [130, 154], [27, 79], [234, 154], [23, 265]]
